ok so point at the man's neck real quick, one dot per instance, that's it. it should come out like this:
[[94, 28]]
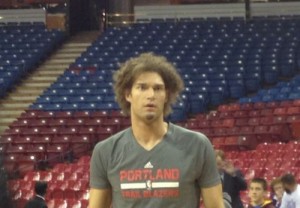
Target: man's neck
[[149, 134], [257, 204]]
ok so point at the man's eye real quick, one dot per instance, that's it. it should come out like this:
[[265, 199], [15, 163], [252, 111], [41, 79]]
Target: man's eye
[[158, 88], [141, 87]]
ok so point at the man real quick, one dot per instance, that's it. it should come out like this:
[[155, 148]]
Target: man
[[232, 179], [257, 194], [291, 196], [153, 163], [277, 192], [38, 201]]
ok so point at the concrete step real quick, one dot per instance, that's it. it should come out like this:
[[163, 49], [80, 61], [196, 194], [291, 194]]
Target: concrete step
[[61, 61], [6, 121], [15, 105], [72, 50], [76, 45], [3, 128], [63, 55], [37, 85], [8, 113], [47, 72], [55, 66], [42, 78], [18, 98], [27, 91]]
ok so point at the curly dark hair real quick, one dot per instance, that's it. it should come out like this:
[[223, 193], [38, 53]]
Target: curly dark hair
[[147, 62]]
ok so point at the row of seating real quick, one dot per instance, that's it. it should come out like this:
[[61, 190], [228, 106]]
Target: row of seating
[[216, 19], [22, 49], [134, 38], [67, 184], [268, 160]]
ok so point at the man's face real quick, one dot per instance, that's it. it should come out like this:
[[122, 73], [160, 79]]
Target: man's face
[[278, 189], [220, 163], [256, 193], [147, 97], [288, 188]]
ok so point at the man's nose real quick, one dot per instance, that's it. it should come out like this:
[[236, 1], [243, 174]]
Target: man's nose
[[150, 92]]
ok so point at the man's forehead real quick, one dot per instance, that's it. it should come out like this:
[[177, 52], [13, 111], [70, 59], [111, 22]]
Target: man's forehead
[[254, 184]]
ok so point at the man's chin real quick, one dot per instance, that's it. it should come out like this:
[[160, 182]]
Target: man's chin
[[150, 117]]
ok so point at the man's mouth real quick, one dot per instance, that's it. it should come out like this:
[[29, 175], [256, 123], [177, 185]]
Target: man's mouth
[[150, 105]]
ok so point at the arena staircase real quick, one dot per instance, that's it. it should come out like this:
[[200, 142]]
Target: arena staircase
[[18, 100]]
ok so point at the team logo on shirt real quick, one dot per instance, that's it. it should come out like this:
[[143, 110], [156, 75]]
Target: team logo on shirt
[[148, 165], [150, 182]]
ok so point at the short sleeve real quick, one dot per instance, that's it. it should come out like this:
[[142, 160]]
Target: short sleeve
[[209, 175], [98, 168]]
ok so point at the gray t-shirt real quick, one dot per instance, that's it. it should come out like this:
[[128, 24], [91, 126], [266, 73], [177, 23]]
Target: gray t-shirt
[[168, 176]]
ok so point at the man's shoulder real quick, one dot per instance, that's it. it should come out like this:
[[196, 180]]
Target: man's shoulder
[[179, 130], [113, 139], [188, 135]]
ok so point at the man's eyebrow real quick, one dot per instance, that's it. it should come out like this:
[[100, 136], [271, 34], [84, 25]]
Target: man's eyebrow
[[157, 84]]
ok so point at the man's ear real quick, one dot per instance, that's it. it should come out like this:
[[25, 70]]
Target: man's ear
[[128, 95]]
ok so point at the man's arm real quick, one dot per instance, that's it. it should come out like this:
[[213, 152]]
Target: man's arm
[[100, 198], [213, 197], [240, 182]]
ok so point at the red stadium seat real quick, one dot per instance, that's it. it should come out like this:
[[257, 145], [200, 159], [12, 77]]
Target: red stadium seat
[[296, 103], [280, 119], [282, 131], [293, 110], [76, 122], [57, 122], [240, 114], [266, 120], [13, 185], [192, 123], [234, 107], [254, 113], [259, 105], [38, 122], [16, 149], [247, 106], [246, 130], [93, 122], [254, 121], [57, 203], [241, 121], [45, 114], [218, 142], [70, 130], [262, 129], [81, 114], [266, 112], [73, 203], [61, 139], [272, 105], [84, 160], [203, 123], [286, 103], [100, 114], [280, 111], [21, 122], [229, 122], [234, 131], [216, 123], [226, 114], [63, 114], [59, 167]]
